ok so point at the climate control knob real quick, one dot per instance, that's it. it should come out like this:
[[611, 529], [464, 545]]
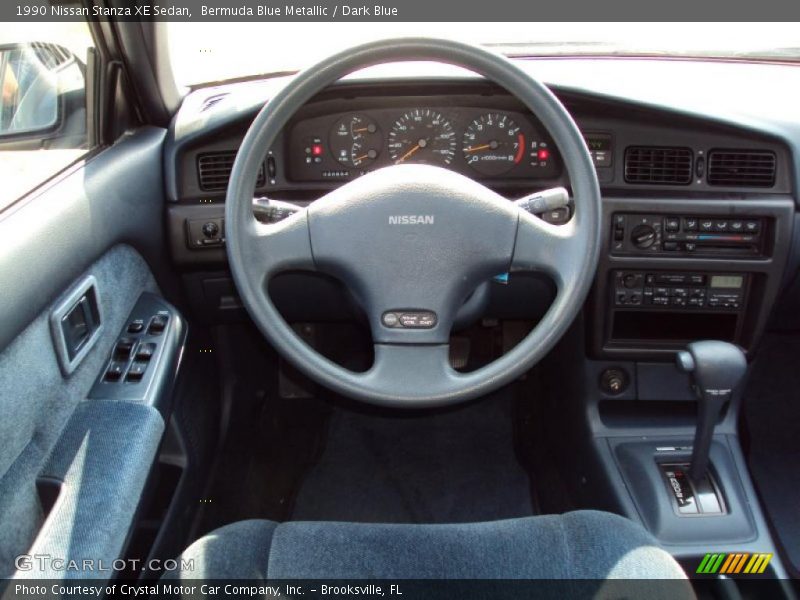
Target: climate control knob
[[643, 236]]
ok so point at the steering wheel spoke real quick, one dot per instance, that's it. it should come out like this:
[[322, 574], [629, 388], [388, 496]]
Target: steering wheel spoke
[[411, 374], [551, 249], [269, 249]]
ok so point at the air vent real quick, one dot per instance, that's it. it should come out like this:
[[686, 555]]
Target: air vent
[[658, 165], [741, 168], [214, 171], [52, 56], [212, 101]]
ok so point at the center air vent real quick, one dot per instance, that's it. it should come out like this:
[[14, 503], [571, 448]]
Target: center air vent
[[742, 168], [658, 165], [214, 171]]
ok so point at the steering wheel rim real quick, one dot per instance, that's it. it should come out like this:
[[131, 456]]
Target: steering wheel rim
[[413, 374]]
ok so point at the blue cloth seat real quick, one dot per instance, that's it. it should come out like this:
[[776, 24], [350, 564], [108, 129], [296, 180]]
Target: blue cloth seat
[[577, 545]]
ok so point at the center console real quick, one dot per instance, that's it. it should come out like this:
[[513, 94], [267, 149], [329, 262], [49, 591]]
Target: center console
[[676, 270]]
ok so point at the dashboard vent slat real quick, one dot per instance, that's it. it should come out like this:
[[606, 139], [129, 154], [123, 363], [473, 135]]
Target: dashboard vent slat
[[658, 165], [212, 101], [214, 171], [741, 168]]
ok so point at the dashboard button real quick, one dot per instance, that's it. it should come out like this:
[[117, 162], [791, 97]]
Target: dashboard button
[[418, 320], [690, 224]]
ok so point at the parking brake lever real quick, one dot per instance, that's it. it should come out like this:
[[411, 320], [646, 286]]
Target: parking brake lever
[[716, 369]]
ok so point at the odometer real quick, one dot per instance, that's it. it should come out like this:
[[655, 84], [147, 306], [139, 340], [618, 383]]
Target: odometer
[[493, 144], [422, 136]]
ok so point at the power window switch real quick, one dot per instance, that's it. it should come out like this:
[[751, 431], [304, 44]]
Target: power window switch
[[136, 372], [157, 324], [114, 371], [136, 326], [124, 348], [145, 351]]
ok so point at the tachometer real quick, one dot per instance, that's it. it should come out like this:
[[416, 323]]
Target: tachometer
[[423, 136], [493, 144], [356, 140]]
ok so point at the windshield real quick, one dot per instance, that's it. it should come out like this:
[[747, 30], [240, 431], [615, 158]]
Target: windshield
[[205, 52]]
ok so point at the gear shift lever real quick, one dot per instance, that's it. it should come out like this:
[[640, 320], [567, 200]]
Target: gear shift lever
[[716, 368]]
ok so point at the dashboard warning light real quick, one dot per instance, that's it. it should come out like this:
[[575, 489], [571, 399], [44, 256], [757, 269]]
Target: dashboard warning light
[[543, 154], [316, 149]]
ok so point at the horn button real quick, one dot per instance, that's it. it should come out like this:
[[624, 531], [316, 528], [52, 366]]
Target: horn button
[[412, 242]]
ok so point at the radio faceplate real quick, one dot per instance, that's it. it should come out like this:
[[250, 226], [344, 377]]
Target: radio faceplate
[[684, 291], [648, 234]]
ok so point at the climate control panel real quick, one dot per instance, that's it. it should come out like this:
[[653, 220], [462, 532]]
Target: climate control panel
[[680, 290], [647, 234]]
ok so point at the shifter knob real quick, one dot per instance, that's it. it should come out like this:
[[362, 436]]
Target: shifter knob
[[716, 369]]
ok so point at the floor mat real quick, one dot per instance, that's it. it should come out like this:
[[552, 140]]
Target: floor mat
[[453, 466], [772, 408], [271, 443]]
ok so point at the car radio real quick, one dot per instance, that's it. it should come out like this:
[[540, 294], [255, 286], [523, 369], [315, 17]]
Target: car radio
[[687, 235], [680, 290]]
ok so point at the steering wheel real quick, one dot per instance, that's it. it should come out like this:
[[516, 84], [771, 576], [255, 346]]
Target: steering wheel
[[413, 241]]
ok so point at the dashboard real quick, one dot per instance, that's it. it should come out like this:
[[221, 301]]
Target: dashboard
[[698, 211]]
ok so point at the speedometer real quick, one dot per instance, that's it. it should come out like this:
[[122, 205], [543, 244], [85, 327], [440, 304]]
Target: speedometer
[[493, 144], [423, 136]]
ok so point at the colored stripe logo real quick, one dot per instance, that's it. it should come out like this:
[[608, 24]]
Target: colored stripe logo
[[734, 563]]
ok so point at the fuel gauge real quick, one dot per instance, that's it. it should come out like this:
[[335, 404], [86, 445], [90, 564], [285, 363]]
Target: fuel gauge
[[356, 140]]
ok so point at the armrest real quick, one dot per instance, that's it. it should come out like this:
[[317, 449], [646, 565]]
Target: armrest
[[103, 458]]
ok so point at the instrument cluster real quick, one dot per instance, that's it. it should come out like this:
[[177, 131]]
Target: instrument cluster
[[478, 142]]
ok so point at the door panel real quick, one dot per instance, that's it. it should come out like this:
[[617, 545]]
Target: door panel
[[37, 400], [50, 238], [103, 219]]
